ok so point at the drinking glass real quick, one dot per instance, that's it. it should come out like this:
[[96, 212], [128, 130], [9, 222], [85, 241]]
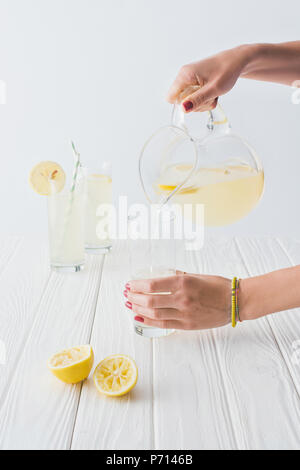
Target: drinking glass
[[98, 193], [66, 230], [149, 259]]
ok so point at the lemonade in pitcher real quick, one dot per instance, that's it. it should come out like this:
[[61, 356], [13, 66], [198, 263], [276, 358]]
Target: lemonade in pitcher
[[228, 193], [218, 169]]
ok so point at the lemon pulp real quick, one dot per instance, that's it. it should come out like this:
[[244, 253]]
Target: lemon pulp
[[116, 375]]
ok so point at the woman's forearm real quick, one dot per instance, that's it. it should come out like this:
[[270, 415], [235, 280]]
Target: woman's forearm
[[200, 302], [272, 62], [210, 78], [269, 293]]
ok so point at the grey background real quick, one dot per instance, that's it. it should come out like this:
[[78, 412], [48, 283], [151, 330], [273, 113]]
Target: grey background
[[98, 71]]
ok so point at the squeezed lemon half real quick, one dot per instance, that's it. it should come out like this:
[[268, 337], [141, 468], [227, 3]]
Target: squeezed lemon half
[[72, 365], [116, 375], [44, 174]]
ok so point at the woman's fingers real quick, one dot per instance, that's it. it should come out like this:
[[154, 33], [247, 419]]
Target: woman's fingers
[[152, 300], [209, 106], [164, 284], [165, 324], [178, 86], [199, 100], [156, 313]]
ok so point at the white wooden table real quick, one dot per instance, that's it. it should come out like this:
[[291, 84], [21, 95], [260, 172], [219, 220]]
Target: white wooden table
[[218, 389]]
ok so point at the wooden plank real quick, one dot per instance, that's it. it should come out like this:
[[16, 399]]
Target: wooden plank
[[291, 248], [117, 423], [8, 247], [225, 388], [275, 254], [255, 372], [215, 389], [190, 406], [24, 273], [39, 411]]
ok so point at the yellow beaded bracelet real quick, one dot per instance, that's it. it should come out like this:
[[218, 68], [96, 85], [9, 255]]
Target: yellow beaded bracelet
[[233, 302]]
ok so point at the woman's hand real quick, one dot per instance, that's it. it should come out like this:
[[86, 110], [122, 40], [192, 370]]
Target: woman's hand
[[215, 76], [182, 302]]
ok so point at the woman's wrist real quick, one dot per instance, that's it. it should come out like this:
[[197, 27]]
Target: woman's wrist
[[277, 63], [250, 291], [251, 55], [273, 292]]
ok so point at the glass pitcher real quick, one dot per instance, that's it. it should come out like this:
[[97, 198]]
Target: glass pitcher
[[217, 169]]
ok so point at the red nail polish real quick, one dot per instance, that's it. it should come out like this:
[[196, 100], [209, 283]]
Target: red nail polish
[[125, 293], [139, 319], [127, 286], [188, 105], [128, 305]]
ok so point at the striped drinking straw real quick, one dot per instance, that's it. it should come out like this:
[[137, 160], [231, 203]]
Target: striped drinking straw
[[72, 191], [76, 168]]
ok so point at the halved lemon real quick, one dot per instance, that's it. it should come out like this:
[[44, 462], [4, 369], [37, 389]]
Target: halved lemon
[[44, 175], [72, 365], [116, 375]]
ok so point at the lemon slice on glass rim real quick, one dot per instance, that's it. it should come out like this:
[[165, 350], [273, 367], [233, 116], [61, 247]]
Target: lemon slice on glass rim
[[72, 365], [116, 375], [44, 174]]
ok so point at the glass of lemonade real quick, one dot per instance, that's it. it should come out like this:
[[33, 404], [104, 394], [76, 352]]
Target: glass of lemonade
[[150, 259], [98, 193], [66, 230]]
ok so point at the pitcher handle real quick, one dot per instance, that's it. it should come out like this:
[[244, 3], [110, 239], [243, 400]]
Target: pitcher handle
[[216, 117]]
